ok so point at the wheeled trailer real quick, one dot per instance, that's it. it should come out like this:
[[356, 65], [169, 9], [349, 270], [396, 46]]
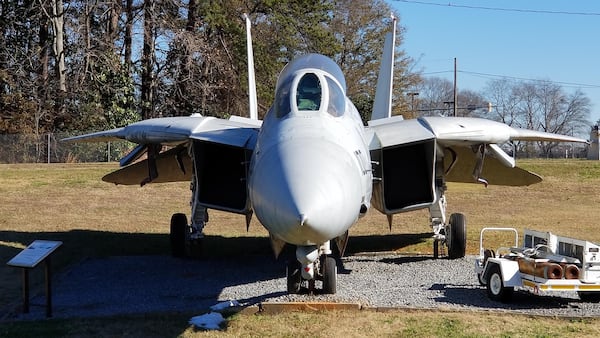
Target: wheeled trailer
[[544, 263]]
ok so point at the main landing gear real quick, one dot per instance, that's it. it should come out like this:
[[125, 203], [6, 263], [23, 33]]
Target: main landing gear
[[312, 264], [452, 234], [186, 240]]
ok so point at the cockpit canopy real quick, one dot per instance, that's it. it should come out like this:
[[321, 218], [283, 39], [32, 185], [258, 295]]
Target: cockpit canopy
[[311, 83], [312, 92]]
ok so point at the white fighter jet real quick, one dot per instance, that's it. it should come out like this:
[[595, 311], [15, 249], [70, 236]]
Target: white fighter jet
[[311, 169]]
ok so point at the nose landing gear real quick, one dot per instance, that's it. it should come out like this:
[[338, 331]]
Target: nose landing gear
[[312, 265]]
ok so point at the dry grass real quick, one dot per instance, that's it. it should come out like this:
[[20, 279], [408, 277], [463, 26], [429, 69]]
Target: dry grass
[[68, 202], [393, 323]]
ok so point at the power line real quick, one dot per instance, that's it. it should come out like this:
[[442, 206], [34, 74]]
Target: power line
[[488, 75], [539, 11], [582, 85]]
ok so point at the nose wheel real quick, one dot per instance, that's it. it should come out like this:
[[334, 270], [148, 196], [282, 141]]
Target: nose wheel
[[294, 277], [327, 274]]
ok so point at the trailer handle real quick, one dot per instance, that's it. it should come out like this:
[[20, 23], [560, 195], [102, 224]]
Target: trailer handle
[[481, 250]]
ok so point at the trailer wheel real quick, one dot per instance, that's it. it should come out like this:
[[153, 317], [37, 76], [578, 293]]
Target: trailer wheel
[[495, 285], [481, 279], [592, 297]]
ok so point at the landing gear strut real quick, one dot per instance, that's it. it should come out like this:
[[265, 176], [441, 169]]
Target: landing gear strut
[[186, 240], [452, 234]]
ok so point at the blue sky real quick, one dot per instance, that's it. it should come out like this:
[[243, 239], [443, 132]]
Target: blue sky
[[519, 39]]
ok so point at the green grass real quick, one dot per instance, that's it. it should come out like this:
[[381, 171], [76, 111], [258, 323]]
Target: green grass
[[68, 202]]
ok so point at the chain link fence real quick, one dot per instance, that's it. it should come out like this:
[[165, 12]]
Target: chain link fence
[[48, 148]]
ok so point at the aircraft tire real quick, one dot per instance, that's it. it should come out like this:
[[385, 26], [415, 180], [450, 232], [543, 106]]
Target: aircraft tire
[[458, 236], [436, 249], [329, 275], [495, 286], [178, 234], [294, 277]]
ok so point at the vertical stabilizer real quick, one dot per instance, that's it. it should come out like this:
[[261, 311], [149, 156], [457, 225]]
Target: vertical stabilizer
[[253, 105], [382, 107]]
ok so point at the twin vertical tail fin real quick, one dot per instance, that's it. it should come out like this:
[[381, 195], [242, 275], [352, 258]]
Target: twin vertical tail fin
[[253, 104], [382, 107]]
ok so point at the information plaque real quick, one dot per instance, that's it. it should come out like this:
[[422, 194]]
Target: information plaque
[[34, 253], [29, 258]]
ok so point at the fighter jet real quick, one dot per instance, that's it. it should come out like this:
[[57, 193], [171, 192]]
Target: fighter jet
[[311, 168]]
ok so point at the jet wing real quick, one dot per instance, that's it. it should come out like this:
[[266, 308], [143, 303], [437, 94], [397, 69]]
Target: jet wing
[[469, 146], [469, 131], [174, 164]]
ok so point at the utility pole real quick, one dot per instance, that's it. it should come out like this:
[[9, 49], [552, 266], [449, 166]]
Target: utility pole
[[412, 101], [455, 94]]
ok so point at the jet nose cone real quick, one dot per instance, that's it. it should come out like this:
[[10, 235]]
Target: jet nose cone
[[306, 193]]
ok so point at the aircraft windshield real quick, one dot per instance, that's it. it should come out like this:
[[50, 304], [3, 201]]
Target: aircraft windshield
[[282, 100], [337, 103], [308, 94]]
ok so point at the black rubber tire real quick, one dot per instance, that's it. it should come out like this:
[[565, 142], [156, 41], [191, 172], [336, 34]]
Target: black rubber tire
[[592, 297], [495, 286], [436, 249], [481, 280], [178, 234], [329, 275], [457, 246], [294, 277]]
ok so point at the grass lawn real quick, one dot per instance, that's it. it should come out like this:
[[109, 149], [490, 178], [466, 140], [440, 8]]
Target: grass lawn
[[68, 202]]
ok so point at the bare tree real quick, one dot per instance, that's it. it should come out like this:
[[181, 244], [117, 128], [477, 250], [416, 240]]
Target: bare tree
[[502, 94], [435, 97]]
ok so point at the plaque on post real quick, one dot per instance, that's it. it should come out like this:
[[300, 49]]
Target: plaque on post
[[29, 258]]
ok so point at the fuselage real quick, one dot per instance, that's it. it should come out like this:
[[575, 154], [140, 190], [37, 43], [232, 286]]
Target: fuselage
[[310, 177]]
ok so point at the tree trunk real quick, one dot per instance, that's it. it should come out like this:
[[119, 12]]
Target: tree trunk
[[128, 34], [184, 106], [58, 45], [148, 84]]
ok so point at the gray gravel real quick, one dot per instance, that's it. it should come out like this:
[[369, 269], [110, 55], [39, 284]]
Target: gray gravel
[[145, 284]]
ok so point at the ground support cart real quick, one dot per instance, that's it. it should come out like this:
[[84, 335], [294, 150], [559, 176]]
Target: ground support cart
[[545, 263]]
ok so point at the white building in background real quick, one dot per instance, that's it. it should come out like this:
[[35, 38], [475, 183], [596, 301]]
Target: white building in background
[[594, 148]]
